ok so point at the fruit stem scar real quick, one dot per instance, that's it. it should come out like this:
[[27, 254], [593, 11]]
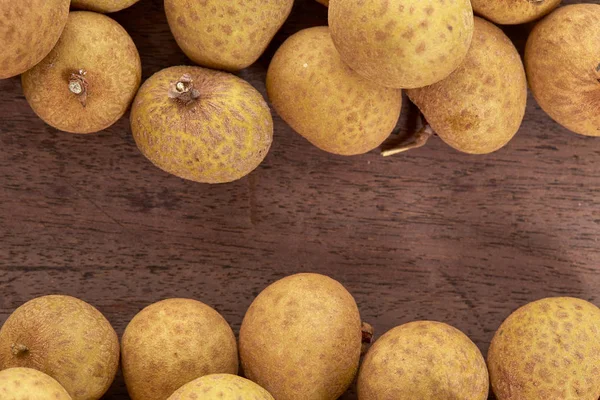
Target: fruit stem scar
[[78, 85], [183, 90], [367, 336], [419, 139], [18, 349]]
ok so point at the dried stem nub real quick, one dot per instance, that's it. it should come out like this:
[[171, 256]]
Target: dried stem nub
[[78, 85], [19, 349], [367, 336], [415, 141], [183, 90]]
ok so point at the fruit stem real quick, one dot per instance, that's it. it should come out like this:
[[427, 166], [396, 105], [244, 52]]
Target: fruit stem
[[19, 349], [419, 139], [183, 90], [367, 336], [78, 85]]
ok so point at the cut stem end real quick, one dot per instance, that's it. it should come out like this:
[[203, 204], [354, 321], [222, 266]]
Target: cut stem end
[[419, 139], [19, 350], [78, 85], [183, 90], [367, 336]]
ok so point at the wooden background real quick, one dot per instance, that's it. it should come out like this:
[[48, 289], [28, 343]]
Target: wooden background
[[432, 234]]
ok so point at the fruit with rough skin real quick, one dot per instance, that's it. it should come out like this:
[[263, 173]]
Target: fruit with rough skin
[[28, 31], [548, 349], [89, 79], [225, 34], [301, 338], [65, 338], [402, 43], [202, 125], [514, 11], [173, 342], [103, 6], [30, 384], [562, 59], [423, 360], [221, 387], [479, 108], [322, 99]]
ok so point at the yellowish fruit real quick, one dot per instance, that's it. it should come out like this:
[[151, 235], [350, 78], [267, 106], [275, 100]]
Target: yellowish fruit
[[216, 129], [548, 349], [514, 11], [301, 338], [322, 99], [28, 31], [65, 338], [89, 79], [221, 387], [30, 384], [103, 6], [402, 43], [173, 342], [229, 35], [423, 360], [562, 58], [479, 108]]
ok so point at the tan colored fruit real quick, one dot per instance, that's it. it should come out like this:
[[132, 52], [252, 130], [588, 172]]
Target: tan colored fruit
[[202, 125], [562, 58], [321, 98], [423, 360], [514, 11], [229, 35], [65, 338], [173, 342], [30, 384], [89, 79], [103, 6], [479, 108], [301, 338], [402, 43], [548, 349], [28, 31], [221, 387]]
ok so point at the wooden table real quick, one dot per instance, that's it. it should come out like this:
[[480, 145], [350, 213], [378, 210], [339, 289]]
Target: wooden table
[[432, 234]]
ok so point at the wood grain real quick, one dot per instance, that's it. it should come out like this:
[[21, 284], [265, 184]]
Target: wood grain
[[432, 234]]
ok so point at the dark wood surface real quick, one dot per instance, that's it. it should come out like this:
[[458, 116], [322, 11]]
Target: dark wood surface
[[433, 234]]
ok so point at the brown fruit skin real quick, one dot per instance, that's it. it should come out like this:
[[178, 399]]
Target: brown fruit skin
[[562, 59], [173, 342], [67, 339], [324, 2], [514, 11], [221, 387], [321, 98], [28, 31], [103, 6], [226, 35], [221, 137], [30, 384], [548, 349], [301, 338], [479, 108], [100, 46], [423, 360]]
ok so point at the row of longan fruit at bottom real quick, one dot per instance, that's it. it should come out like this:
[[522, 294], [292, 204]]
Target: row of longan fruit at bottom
[[302, 338]]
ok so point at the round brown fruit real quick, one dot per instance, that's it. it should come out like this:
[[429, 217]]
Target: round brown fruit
[[515, 11], [89, 79], [203, 125], [30, 384], [28, 31], [173, 342], [562, 58], [65, 338], [103, 6], [221, 387]]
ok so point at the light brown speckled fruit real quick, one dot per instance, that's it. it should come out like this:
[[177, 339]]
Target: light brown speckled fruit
[[65, 338], [402, 43], [321, 98], [202, 125], [479, 108], [103, 6], [229, 35], [562, 58], [30, 384], [514, 11], [423, 360], [173, 342], [28, 31], [221, 387], [89, 79], [301, 338], [548, 349]]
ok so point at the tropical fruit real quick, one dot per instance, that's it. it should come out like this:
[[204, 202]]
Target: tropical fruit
[[322, 99], [89, 79], [221, 387], [28, 31], [423, 360], [173, 342], [103, 6], [65, 338], [548, 349], [562, 58], [30, 384], [402, 43], [229, 35], [513, 12], [202, 125], [301, 338]]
